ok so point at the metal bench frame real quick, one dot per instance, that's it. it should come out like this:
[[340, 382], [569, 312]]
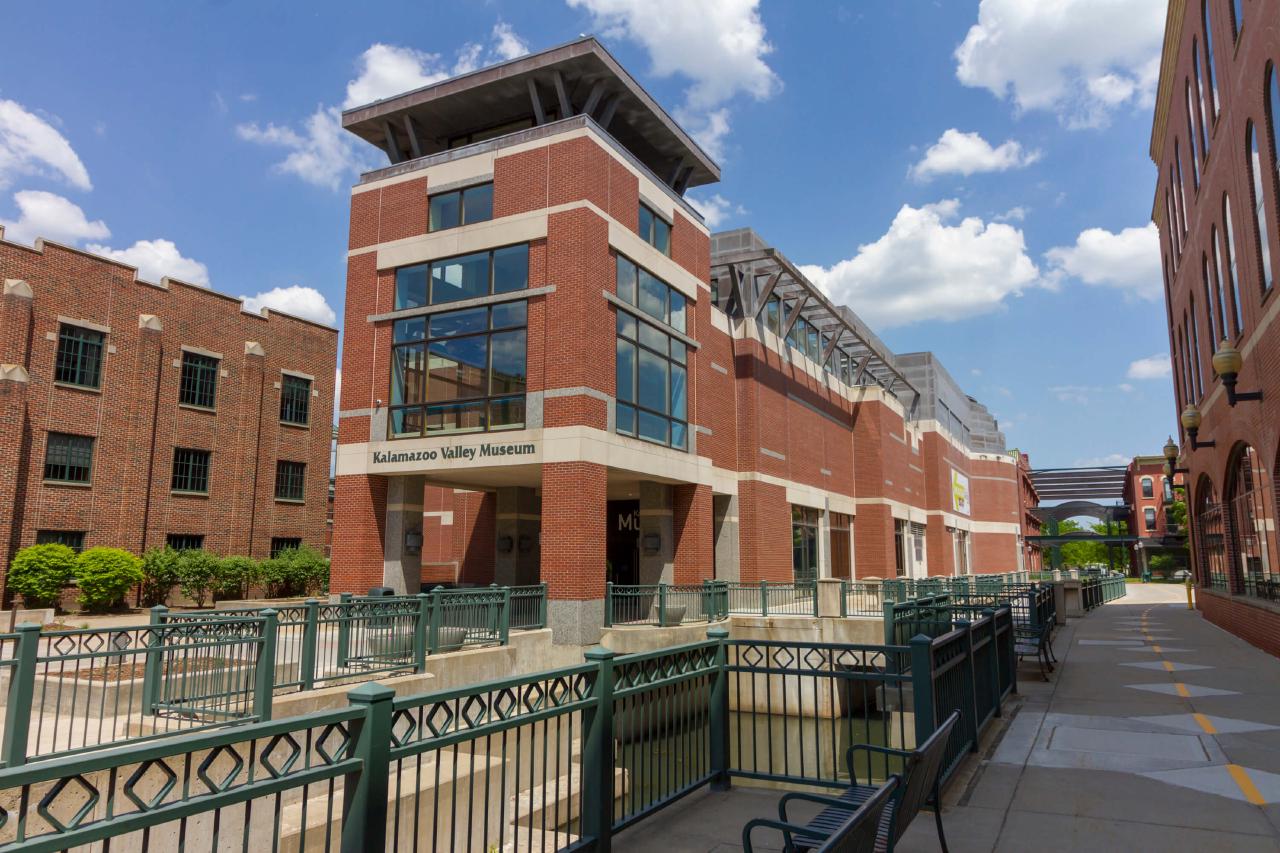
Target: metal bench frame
[[856, 834]]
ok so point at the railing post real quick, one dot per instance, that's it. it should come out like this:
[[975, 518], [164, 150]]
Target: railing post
[[890, 635], [420, 622], [542, 606], [608, 604], [504, 617], [152, 670], [344, 628], [597, 755], [265, 674], [437, 619], [662, 605], [22, 689], [816, 610], [970, 684], [844, 598], [996, 692], [922, 686], [310, 631], [719, 712], [764, 598], [364, 805]]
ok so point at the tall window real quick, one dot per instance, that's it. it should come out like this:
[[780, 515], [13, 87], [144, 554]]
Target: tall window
[[651, 366], [1148, 487], [900, 547], [464, 277], [1175, 243], [1149, 518], [68, 458], [1191, 141], [1226, 285], [190, 471], [1237, 17], [1273, 110], [295, 399], [1260, 230], [1212, 539], [1206, 132], [1195, 348], [291, 480], [1220, 330], [1210, 67], [199, 380], [460, 371], [185, 541], [841, 545], [773, 314], [460, 207], [73, 539], [961, 538], [1232, 269], [655, 230], [804, 544], [79, 359], [1181, 189], [1249, 520]]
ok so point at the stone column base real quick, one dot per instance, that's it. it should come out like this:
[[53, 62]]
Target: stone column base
[[575, 623]]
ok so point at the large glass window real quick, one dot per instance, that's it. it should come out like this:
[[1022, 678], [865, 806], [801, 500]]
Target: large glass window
[[460, 207], [459, 371], [464, 277], [1232, 269], [1195, 348], [655, 230], [68, 458], [79, 359], [291, 480], [190, 470], [1182, 188], [1210, 67], [1206, 131], [651, 364], [73, 539], [1260, 230], [199, 380], [1226, 285], [1191, 141], [804, 544], [295, 399], [1248, 523]]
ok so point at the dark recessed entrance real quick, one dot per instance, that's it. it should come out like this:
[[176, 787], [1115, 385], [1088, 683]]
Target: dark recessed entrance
[[622, 544]]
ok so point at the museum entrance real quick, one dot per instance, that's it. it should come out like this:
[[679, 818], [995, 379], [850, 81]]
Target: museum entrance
[[622, 544]]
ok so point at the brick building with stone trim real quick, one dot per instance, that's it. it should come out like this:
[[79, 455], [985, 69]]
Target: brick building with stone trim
[[554, 372], [135, 414]]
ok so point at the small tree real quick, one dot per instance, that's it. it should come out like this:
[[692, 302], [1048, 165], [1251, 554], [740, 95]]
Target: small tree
[[39, 572], [159, 574], [198, 574], [236, 575], [105, 575], [297, 571]]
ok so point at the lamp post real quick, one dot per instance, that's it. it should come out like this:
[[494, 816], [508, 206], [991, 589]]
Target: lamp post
[[1227, 362], [1171, 453], [1191, 423]]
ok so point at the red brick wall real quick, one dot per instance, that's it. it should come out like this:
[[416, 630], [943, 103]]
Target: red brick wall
[[360, 519], [474, 529], [764, 532], [1253, 622], [573, 525], [691, 522]]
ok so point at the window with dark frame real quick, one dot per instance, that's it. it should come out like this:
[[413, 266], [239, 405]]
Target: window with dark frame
[[284, 543], [655, 230], [73, 539], [465, 206], [460, 371], [1148, 488], [185, 541], [446, 280], [68, 458], [291, 480], [190, 470], [651, 364], [804, 544], [295, 400], [1149, 518], [199, 385], [79, 360]]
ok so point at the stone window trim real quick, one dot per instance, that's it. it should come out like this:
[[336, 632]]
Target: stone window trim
[[477, 302], [612, 299]]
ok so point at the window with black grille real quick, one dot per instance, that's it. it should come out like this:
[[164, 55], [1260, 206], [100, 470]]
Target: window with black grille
[[190, 470], [284, 543], [199, 380], [295, 400], [185, 541], [68, 458], [73, 539], [79, 359], [291, 478]]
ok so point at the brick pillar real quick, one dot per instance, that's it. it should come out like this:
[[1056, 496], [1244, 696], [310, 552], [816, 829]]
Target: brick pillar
[[573, 549], [147, 375], [359, 530], [255, 504], [692, 529], [474, 517], [764, 532], [15, 355]]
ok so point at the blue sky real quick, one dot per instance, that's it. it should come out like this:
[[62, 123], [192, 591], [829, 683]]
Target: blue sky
[[971, 177]]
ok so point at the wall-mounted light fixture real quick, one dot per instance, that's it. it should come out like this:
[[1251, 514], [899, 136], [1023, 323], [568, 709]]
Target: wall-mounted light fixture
[[651, 542], [1191, 423], [413, 541], [1227, 362], [526, 543], [505, 544]]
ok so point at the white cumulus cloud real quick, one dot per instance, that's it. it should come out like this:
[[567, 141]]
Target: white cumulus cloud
[[506, 44], [156, 259], [386, 70], [957, 153], [322, 153], [1128, 260], [29, 145], [1080, 59], [718, 45], [1108, 461], [716, 210], [1152, 367], [931, 265], [305, 302], [48, 215]]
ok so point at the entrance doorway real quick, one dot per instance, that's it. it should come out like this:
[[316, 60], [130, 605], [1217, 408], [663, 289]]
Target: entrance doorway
[[622, 543]]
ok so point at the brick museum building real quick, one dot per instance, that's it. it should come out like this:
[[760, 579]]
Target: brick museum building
[[553, 371], [1214, 143], [136, 414]]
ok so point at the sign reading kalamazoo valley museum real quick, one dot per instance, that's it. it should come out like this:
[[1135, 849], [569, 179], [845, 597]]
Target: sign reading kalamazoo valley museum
[[459, 453]]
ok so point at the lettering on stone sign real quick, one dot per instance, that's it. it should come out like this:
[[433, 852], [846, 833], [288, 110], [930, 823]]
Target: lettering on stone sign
[[460, 453]]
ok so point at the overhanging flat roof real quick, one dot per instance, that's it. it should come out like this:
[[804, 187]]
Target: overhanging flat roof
[[577, 78]]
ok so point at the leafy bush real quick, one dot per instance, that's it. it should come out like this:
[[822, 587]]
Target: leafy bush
[[236, 575], [296, 571], [105, 575], [39, 573], [159, 574], [198, 573]]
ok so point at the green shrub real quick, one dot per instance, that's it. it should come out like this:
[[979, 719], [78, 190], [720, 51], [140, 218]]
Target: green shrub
[[39, 573], [105, 575], [296, 571], [159, 574], [236, 575], [198, 573]]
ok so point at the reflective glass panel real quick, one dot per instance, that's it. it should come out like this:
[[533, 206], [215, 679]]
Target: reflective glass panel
[[411, 287], [511, 269], [464, 277], [457, 368]]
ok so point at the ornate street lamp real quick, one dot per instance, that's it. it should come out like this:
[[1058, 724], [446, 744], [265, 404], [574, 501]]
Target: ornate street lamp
[[1227, 362], [1171, 453], [1191, 423]]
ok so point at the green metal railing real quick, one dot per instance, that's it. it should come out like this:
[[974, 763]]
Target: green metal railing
[[552, 760]]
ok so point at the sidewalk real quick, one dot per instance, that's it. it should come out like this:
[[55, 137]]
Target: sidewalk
[[1158, 731]]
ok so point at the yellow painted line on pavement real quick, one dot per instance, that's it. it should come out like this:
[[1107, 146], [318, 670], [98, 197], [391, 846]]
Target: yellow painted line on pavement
[[1157, 650], [1182, 689], [1168, 667], [1205, 723], [1241, 777]]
